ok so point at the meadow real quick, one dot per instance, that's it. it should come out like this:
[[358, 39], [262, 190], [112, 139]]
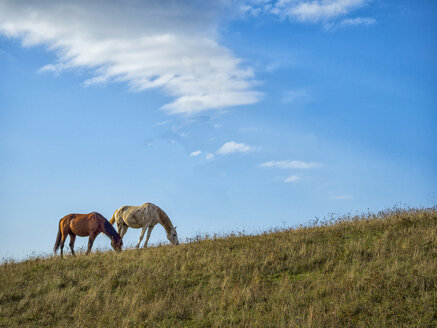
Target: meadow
[[372, 270]]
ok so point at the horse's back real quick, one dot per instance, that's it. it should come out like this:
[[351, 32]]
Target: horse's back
[[69, 216], [150, 210], [126, 210], [89, 216], [96, 215], [138, 216], [81, 224]]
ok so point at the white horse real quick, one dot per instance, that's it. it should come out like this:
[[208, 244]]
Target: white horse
[[143, 216]]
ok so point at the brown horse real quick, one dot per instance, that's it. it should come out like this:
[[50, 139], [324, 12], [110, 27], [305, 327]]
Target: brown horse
[[85, 225]]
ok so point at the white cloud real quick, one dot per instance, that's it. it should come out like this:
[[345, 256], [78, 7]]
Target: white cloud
[[341, 197], [304, 10], [234, 147], [158, 44], [291, 164], [209, 156], [292, 178], [315, 11], [358, 21], [195, 153], [152, 44], [366, 21]]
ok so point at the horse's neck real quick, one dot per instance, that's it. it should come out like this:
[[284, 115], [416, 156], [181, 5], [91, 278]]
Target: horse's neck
[[109, 230], [164, 220], [166, 226]]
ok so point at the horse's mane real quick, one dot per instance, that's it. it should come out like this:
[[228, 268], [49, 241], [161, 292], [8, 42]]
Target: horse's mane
[[109, 229]]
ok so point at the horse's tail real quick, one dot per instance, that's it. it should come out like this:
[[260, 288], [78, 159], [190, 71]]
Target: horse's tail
[[58, 238], [113, 218]]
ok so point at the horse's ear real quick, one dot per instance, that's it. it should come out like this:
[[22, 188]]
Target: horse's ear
[[175, 227]]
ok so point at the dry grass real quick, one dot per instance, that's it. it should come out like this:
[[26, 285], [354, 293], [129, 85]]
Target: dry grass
[[369, 271]]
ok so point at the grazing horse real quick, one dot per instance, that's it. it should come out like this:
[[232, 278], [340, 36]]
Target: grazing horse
[[85, 225], [145, 216]]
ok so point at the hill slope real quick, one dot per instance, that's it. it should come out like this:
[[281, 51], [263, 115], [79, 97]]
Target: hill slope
[[378, 270]]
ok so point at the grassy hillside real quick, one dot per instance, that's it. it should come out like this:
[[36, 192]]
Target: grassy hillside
[[373, 271]]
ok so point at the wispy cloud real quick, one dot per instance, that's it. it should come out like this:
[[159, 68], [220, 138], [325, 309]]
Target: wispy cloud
[[292, 178], [313, 11], [358, 21], [365, 21], [227, 148], [162, 122], [195, 153], [318, 10], [234, 147], [294, 95], [288, 164], [148, 44]]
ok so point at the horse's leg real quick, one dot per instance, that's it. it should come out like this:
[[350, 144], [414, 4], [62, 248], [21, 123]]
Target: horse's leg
[[123, 230], [72, 240], [64, 236], [120, 225], [149, 231], [90, 241], [142, 235]]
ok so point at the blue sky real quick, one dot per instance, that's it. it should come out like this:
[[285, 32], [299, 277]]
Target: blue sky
[[232, 116]]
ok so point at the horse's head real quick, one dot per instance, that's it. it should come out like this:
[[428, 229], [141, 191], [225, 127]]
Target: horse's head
[[173, 236], [117, 243]]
